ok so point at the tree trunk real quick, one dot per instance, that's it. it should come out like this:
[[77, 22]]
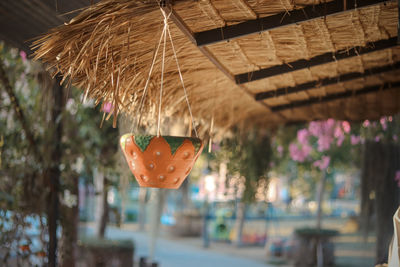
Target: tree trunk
[[54, 170], [105, 210], [69, 223], [320, 198], [239, 224], [386, 160], [101, 210], [367, 186]]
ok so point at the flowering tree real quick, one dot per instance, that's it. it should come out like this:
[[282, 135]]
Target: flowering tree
[[317, 146], [373, 146]]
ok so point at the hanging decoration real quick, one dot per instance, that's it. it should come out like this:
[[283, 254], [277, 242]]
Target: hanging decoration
[[156, 160], [163, 161]]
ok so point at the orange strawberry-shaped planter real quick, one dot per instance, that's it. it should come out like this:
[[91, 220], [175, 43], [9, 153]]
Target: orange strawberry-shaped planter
[[162, 162]]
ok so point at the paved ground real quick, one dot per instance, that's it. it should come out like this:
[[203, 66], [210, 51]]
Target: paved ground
[[175, 253], [350, 249]]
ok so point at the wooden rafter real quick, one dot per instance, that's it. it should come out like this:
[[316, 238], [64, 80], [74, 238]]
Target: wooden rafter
[[314, 61], [336, 96], [327, 81], [280, 20], [204, 50]]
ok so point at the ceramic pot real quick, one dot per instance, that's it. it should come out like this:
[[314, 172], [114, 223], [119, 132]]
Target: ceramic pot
[[162, 162]]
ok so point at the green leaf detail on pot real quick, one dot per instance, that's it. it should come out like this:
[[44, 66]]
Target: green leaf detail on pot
[[175, 142], [196, 143], [142, 141]]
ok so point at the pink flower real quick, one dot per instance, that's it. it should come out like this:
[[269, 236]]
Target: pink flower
[[272, 164], [302, 136], [22, 55], [215, 147], [306, 149], [340, 140], [323, 163], [314, 128], [296, 153], [338, 132], [329, 124], [346, 126], [107, 107], [355, 140], [324, 143], [299, 153], [395, 138], [280, 150], [383, 123], [397, 177], [377, 138], [366, 123]]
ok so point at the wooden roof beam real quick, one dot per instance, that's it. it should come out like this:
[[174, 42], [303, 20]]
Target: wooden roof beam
[[336, 96], [280, 20], [189, 34], [204, 50], [315, 61], [327, 81]]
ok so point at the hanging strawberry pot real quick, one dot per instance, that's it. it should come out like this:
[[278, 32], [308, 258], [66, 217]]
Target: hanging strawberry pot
[[162, 162], [156, 160]]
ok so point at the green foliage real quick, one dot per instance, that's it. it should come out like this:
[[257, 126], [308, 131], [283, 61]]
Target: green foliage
[[386, 129], [247, 155], [84, 146]]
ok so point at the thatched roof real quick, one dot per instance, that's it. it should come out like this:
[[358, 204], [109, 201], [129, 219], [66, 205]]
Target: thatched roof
[[265, 61]]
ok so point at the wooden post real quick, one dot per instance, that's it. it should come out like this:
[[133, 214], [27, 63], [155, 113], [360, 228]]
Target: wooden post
[[383, 159], [54, 170], [386, 158]]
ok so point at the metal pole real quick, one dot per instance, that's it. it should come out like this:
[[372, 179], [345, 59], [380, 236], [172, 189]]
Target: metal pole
[[206, 239], [156, 203]]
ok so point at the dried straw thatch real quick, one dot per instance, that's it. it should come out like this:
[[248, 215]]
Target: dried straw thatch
[[107, 51]]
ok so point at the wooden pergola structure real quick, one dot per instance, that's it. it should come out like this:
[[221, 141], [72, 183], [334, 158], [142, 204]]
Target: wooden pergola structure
[[262, 62]]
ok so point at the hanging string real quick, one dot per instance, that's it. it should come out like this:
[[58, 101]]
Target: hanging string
[[183, 84], [190, 127], [211, 132], [164, 36], [148, 80]]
